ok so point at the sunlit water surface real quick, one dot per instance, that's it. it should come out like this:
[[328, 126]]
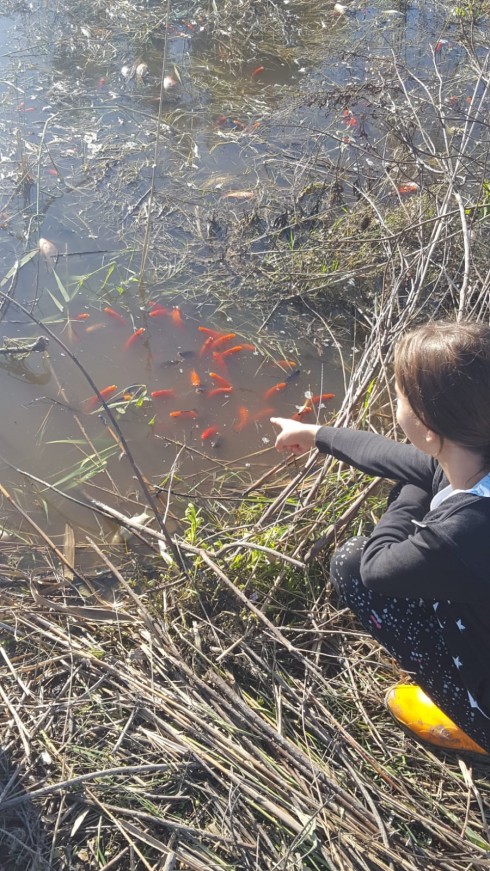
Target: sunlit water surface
[[77, 148]]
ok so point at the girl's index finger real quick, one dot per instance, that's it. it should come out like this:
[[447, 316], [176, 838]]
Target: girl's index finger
[[277, 421]]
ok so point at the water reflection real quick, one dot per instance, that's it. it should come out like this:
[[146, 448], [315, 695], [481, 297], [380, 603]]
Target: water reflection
[[277, 129]]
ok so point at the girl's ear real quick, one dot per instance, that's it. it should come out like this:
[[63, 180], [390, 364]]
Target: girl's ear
[[433, 442]]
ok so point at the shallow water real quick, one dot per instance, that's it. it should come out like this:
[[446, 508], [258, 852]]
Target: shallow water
[[84, 161]]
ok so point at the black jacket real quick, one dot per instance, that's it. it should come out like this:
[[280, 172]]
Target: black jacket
[[441, 555]]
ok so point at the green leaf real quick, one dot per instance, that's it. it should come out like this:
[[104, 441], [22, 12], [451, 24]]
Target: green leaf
[[111, 269], [61, 287], [18, 265], [477, 839], [56, 301]]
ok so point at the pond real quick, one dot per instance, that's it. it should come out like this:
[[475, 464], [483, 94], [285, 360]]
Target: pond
[[164, 172]]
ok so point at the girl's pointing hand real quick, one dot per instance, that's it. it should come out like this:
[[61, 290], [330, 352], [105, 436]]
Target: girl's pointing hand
[[293, 435]]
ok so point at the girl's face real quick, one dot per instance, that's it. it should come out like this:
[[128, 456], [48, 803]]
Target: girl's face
[[415, 431]]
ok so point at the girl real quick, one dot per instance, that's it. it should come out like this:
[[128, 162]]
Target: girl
[[420, 584]]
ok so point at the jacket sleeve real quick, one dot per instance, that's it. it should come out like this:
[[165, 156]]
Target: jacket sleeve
[[377, 455], [410, 561]]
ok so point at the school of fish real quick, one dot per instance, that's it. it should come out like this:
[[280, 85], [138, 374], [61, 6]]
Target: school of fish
[[208, 374]]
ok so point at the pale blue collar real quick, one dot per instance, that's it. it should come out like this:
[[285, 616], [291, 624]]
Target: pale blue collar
[[482, 487]]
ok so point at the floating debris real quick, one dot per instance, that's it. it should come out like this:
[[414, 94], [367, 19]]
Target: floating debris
[[124, 533], [162, 547], [141, 71], [49, 251], [21, 348]]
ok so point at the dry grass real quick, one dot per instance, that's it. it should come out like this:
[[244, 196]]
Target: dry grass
[[202, 734], [228, 715]]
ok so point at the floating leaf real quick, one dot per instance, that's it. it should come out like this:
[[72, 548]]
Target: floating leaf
[[238, 195]]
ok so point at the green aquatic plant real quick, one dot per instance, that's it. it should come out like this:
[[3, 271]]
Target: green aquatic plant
[[85, 469], [194, 519], [470, 10], [481, 211]]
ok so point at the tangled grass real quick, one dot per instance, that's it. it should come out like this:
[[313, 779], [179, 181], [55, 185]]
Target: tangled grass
[[223, 712]]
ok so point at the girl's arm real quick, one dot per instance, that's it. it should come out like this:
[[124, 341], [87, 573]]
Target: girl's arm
[[373, 454], [425, 560], [377, 455]]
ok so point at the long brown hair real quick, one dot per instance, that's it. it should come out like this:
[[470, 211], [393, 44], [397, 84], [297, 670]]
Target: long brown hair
[[443, 369]]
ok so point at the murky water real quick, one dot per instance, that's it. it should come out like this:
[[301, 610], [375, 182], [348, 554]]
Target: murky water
[[166, 195]]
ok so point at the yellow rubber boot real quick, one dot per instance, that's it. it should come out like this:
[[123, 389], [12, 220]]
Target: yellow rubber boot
[[415, 711]]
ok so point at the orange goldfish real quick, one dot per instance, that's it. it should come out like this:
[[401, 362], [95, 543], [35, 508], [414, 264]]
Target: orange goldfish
[[93, 328], [221, 382], [349, 118], [243, 418], [209, 432], [83, 316], [440, 45], [410, 187], [219, 359], [206, 346], [275, 389], [114, 315], [195, 380], [322, 397], [159, 311], [176, 316], [285, 364], [257, 71], [189, 415], [92, 403], [236, 349], [132, 339], [222, 339], [302, 412], [162, 394], [219, 391], [215, 334]]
